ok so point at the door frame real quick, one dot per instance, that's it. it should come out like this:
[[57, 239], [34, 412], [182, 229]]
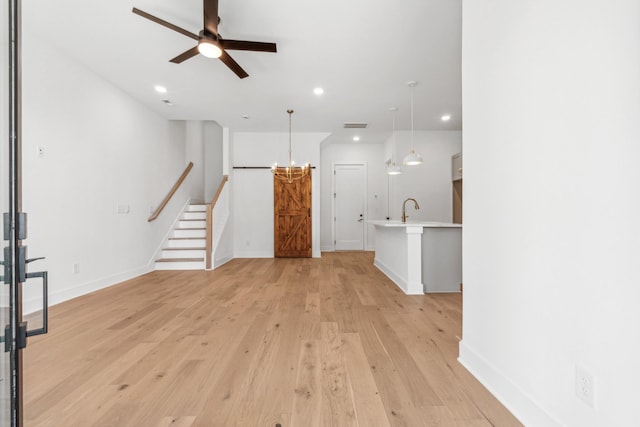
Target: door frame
[[364, 201]]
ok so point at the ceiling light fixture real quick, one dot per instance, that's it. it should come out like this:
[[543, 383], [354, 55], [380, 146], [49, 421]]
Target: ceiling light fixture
[[160, 89], [412, 158], [445, 118], [392, 167], [318, 91], [356, 138], [291, 172], [208, 46]]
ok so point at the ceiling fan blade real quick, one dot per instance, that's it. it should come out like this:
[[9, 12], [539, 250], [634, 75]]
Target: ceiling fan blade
[[231, 63], [185, 55], [164, 23], [211, 16], [246, 45]]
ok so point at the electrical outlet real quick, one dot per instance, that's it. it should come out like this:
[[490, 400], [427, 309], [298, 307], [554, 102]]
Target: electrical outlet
[[40, 151], [585, 386], [76, 268]]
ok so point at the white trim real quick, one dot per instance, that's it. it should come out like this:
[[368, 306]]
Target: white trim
[[407, 288], [516, 400], [253, 254], [365, 205], [35, 304], [158, 252], [222, 261], [327, 248]]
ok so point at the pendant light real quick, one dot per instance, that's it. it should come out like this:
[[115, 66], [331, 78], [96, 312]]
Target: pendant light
[[412, 158], [392, 167], [291, 172]]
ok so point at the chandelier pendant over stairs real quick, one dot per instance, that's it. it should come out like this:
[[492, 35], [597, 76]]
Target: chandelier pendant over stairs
[[291, 172]]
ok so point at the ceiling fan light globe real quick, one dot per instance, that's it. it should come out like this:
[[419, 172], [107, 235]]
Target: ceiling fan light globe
[[209, 49]]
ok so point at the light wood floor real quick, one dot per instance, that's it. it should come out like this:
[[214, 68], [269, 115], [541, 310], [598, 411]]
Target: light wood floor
[[257, 342]]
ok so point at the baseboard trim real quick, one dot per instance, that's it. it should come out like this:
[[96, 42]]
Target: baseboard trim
[[34, 304], [256, 254], [519, 403], [405, 287], [222, 261]]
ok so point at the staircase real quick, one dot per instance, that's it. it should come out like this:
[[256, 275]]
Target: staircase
[[186, 246]]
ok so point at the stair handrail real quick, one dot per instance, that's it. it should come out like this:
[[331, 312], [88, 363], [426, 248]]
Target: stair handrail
[[173, 190], [209, 232]]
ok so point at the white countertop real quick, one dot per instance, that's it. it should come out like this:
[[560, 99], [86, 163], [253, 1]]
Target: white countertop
[[398, 223]]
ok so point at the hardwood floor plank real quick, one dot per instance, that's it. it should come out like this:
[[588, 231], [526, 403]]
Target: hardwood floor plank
[[257, 342], [307, 402], [338, 408], [369, 407]]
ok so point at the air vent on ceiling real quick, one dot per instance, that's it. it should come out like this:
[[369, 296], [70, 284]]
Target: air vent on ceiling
[[354, 125]]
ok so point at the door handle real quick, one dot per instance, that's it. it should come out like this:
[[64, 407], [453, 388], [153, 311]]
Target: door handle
[[45, 303]]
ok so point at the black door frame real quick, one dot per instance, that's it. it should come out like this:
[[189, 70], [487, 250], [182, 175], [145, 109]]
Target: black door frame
[[12, 222]]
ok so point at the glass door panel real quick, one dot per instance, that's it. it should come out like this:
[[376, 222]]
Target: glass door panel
[[5, 357]]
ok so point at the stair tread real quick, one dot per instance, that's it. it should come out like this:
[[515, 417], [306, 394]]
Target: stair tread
[[184, 249], [186, 238], [192, 219], [180, 260], [181, 228]]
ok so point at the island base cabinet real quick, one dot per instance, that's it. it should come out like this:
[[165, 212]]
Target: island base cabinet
[[442, 259]]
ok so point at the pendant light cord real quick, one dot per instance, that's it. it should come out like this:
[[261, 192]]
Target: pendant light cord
[[412, 143], [393, 135]]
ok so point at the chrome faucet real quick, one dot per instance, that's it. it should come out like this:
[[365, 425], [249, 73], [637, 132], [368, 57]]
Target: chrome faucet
[[404, 204]]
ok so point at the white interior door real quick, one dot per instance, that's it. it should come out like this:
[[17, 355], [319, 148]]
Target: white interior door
[[349, 206]]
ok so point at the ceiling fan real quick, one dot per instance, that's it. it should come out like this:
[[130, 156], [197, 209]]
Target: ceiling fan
[[210, 43]]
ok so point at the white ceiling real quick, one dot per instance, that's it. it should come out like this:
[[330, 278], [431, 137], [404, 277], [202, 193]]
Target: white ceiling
[[362, 52]]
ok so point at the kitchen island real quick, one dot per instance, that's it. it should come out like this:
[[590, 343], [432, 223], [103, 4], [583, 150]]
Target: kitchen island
[[420, 257]]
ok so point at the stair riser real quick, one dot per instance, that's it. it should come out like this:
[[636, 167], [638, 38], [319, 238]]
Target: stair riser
[[177, 253], [188, 243], [195, 215], [180, 265], [189, 233], [197, 208], [192, 224]]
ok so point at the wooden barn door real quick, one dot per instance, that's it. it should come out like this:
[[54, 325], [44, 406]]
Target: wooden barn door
[[292, 218]]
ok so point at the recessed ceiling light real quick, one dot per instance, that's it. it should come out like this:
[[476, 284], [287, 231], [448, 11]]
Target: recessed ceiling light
[[318, 91], [356, 138], [246, 116], [445, 118], [167, 102], [160, 89]]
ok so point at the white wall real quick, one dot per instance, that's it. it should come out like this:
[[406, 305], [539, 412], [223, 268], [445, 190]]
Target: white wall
[[194, 152], [213, 155], [4, 146], [428, 183], [102, 148], [252, 189], [373, 156], [551, 150]]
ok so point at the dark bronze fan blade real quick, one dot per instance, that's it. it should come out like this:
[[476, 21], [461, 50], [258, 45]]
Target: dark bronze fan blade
[[231, 63], [185, 55], [211, 16], [245, 45], [164, 23]]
